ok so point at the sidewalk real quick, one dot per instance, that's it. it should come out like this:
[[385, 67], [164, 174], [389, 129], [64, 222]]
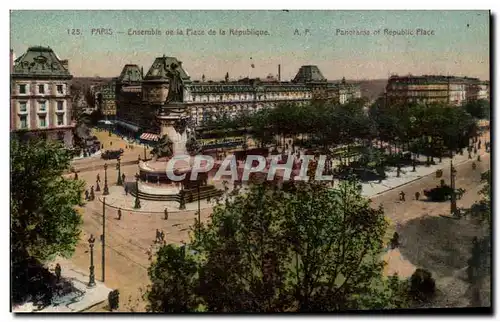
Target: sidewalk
[[373, 188], [117, 199], [79, 299]]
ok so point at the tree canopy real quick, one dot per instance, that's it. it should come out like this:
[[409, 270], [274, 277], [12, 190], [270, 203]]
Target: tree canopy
[[301, 248], [44, 220]]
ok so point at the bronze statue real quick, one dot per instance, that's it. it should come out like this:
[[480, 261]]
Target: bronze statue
[[163, 148], [175, 89]]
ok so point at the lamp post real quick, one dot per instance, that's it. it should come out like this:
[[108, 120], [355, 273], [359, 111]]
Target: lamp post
[[92, 276], [106, 190], [429, 141], [145, 153], [453, 205], [119, 182], [103, 238], [137, 204]]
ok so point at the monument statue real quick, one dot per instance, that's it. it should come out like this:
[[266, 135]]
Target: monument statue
[[175, 89], [163, 148]]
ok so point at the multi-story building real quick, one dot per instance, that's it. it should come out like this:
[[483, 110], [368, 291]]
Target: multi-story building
[[105, 99], [40, 95], [140, 97], [431, 89]]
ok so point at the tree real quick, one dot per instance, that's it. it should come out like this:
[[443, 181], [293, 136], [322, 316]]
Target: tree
[[300, 248], [479, 264], [44, 221], [479, 109], [172, 273]]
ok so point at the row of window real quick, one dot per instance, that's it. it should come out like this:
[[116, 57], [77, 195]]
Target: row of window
[[42, 121], [205, 98], [41, 89], [42, 106]]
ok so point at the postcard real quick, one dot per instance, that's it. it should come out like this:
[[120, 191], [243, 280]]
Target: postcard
[[250, 161]]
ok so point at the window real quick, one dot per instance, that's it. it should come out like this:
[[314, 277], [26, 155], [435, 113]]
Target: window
[[60, 119], [23, 121], [60, 105], [42, 121], [22, 89], [23, 107], [42, 106], [41, 89], [59, 89]]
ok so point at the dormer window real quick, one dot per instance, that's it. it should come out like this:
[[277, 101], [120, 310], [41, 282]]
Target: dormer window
[[41, 89], [22, 89], [60, 89]]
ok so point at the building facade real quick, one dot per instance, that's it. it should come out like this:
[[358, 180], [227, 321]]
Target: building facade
[[40, 95], [105, 99], [435, 89], [139, 97]]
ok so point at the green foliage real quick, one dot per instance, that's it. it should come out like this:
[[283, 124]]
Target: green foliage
[[300, 248], [44, 221], [479, 109], [173, 281]]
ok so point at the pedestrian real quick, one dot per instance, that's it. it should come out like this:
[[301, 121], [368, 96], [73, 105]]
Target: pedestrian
[[126, 190], [417, 195], [76, 176], [402, 196], [479, 158], [119, 213], [474, 165], [162, 236], [86, 195], [58, 272], [157, 236], [98, 178], [149, 252], [110, 143], [165, 212], [123, 178]]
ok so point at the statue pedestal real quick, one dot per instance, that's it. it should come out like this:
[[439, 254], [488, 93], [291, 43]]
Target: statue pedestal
[[173, 123]]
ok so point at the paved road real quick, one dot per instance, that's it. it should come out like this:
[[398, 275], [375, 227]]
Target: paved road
[[129, 239]]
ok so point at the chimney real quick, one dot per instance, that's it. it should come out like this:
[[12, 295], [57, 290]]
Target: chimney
[[64, 62], [279, 73]]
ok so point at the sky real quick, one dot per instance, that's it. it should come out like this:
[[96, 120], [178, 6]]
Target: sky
[[456, 43]]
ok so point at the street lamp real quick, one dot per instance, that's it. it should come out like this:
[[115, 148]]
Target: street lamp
[[92, 276], [137, 204], [145, 153], [106, 190], [453, 205], [119, 182], [429, 141]]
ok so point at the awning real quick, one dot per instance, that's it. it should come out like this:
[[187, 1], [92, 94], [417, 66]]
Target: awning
[[149, 137], [128, 126]]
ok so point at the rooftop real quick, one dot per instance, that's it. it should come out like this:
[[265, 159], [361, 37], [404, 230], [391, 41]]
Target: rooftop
[[42, 62]]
